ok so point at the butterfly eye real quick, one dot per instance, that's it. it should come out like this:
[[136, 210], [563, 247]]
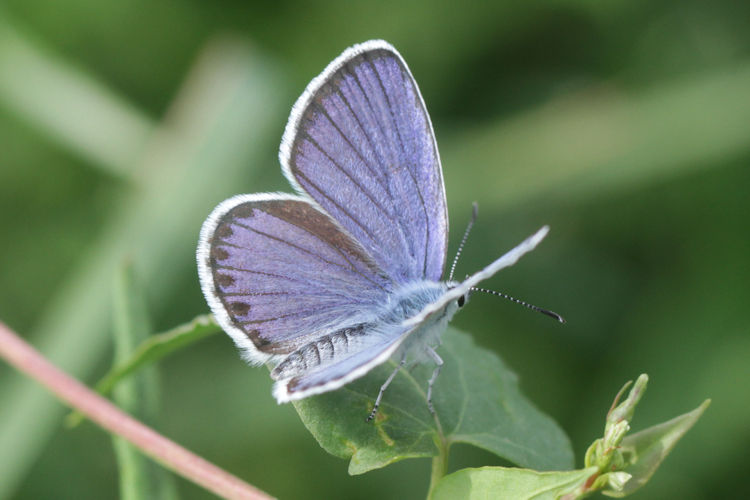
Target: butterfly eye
[[461, 300]]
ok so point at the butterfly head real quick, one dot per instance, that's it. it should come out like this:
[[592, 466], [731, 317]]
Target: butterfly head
[[461, 300]]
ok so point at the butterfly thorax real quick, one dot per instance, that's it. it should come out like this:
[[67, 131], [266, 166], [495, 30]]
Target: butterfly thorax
[[408, 302]]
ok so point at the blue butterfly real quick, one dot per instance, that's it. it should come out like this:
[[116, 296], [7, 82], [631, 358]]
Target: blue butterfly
[[331, 282]]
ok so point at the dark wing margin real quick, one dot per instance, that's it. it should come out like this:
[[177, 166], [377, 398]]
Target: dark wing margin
[[359, 141], [277, 273]]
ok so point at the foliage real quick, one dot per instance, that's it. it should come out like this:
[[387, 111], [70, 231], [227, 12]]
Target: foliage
[[615, 466], [477, 401]]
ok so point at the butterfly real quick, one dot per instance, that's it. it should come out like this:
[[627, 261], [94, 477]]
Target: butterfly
[[329, 283]]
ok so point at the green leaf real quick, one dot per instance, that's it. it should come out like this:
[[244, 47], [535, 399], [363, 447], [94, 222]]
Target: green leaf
[[477, 401], [149, 351], [158, 346], [140, 478], [644, 451], [503, 482]]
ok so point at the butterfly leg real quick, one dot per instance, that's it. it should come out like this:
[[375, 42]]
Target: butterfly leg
[[439, 362], [383, 388]]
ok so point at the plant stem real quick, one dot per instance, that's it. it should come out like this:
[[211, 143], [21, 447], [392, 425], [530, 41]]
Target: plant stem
[[439, 464], [99, 410]]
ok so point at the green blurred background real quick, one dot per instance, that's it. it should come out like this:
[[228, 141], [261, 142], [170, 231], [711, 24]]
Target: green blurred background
[[624, 125]]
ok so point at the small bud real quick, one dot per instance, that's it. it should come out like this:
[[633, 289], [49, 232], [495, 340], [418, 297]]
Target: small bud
[[592, 454], [614, 433], [617, 480], [625, 410]]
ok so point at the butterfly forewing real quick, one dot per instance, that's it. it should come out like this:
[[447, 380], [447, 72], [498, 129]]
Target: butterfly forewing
[[360, 143], [279, 273]]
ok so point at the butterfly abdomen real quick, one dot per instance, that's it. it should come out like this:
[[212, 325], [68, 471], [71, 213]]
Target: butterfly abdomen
[[320, 352]]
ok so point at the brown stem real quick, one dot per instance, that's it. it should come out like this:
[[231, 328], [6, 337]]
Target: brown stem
[[171, 455]]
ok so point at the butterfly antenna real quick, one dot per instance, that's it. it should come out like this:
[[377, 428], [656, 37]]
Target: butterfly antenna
[[521, 302], [474, 212]]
